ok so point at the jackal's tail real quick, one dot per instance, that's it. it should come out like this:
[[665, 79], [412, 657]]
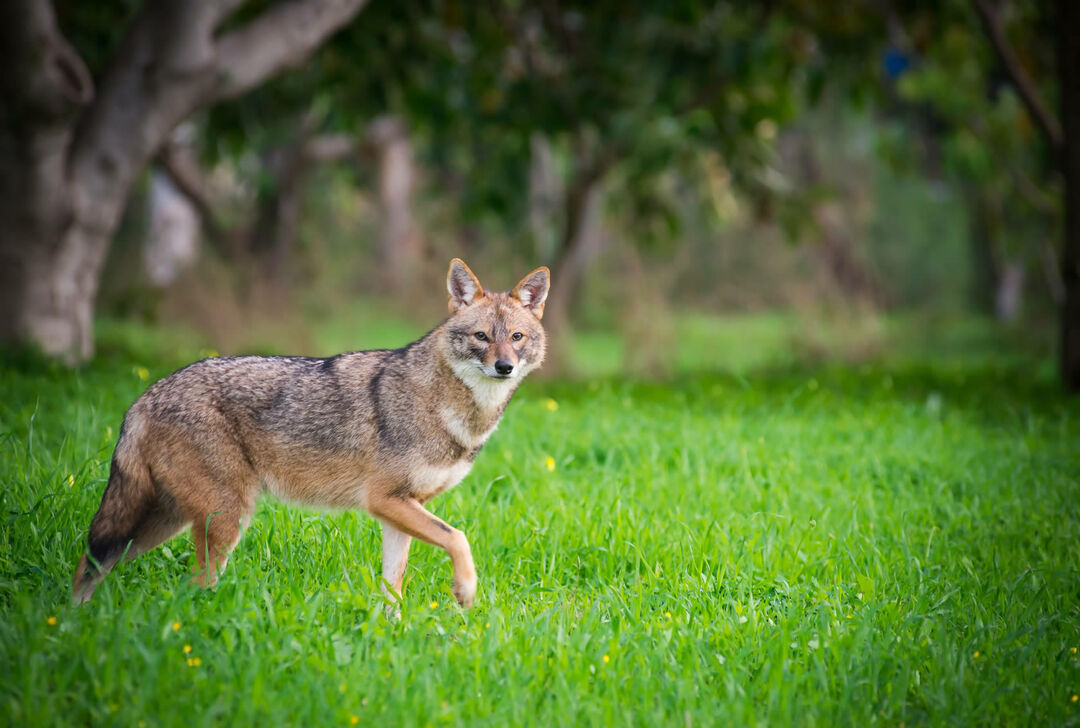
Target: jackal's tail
[[128, 498]]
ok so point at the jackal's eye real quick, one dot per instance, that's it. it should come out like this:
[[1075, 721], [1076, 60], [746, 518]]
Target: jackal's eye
[[517, 336], [481, 336]]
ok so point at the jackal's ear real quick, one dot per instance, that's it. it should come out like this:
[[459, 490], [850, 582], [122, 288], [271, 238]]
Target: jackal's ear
[[533, 289], [463, 286]]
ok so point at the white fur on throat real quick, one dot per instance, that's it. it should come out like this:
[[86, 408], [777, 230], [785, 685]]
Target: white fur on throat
[[488, 391]]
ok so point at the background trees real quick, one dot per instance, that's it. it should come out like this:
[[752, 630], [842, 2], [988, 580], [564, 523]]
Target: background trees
[[641, 137], [72, 148]]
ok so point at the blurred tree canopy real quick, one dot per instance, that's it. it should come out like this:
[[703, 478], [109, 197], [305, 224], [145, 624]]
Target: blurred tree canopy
[[610, 98], [640, 88]]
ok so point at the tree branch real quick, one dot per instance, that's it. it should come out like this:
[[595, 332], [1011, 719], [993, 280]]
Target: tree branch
[[43, 73], [1019, 78], [183, 171], [330, 148], [155, 83], [279, 38]]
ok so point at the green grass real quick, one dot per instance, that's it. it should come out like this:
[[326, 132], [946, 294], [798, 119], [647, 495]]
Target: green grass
[[889, 543]]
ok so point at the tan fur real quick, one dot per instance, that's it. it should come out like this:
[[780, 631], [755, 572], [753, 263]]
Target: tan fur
[[382, 430]]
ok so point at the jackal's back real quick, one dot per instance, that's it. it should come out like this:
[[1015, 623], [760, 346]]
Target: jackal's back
[[308, 401]]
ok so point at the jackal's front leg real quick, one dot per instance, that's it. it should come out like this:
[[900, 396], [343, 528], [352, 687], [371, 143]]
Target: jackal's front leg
[[395, 556], [409, 517]]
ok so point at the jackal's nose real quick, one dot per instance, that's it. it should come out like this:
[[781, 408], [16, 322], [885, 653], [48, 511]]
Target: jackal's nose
[[504, 367]]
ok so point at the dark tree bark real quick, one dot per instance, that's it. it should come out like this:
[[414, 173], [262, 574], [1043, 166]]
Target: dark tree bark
[[1021, 81], [575, 249], [68, 158], [44, 88], [1063, 138], [581, 201], [1068, 50]]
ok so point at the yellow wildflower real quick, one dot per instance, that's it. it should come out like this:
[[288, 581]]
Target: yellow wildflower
[[187, 649], [141, 372], [51, 621], [1074, 698], [550, 405], [976, 655], [434, 605], [175, 626], [353, 719], [667, 614], [71, 481], [549, 463], [606, 659]]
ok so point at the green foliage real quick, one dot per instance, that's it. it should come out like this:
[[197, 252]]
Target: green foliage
[[95, 29], [967, 124], [476, 81], [826, 546]]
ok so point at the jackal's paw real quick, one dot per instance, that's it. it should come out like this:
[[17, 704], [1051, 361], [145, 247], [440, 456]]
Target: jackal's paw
[[464, 591]]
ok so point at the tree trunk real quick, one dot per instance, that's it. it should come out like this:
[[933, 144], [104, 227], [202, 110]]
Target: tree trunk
[[578, 244], [178, 163], [47, 289], [45, 294], [545, 192], [1069, 75], [837, 255], [68, 160], [400, 244], [172, 238], [981, 237], [579, 239], [279, 213], [1009, 296], [281, 209]]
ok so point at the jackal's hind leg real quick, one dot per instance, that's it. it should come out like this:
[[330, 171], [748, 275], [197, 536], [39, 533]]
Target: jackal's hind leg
[[215, 536]]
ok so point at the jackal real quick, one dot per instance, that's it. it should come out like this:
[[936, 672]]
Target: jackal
[[384, 430]]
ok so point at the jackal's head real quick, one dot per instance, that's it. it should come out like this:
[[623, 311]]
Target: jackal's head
[[496, 334]]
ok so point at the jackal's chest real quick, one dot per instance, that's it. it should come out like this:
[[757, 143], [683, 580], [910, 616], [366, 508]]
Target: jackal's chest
[[428, 481], [465, 433]]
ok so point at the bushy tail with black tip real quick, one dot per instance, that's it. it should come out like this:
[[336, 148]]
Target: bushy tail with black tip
[[127, 499]]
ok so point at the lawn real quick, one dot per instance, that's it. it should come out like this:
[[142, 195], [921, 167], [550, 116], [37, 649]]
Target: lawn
[[896, 542]]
